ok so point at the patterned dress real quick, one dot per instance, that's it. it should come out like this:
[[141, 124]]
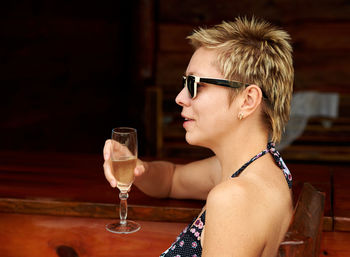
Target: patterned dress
[[188, 243]]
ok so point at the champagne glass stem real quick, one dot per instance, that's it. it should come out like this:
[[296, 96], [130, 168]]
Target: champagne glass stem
[[123, 209]]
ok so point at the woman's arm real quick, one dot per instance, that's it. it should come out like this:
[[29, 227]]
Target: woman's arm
[[165, 179]]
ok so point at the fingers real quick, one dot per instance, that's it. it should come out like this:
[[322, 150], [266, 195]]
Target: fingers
[[107, 165], [107, 149], [139, 169], [114, 149]]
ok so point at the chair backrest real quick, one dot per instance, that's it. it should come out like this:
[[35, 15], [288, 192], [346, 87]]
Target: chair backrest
[[304, 234]]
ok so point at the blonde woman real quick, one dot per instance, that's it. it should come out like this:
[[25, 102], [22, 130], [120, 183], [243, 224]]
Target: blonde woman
[[236, 102]]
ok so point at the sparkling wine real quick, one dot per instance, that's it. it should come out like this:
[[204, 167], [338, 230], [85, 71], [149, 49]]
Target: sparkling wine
[[123, 171]]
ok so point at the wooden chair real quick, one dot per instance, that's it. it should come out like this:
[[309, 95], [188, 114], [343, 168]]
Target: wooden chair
[[304, 234]]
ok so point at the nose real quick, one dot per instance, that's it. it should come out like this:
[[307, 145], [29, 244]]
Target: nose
[[183, 98]]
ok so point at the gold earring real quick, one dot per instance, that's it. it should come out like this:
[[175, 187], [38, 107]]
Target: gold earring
[[240, 116]]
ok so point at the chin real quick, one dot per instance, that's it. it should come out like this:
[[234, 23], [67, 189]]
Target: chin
[[192, 140], [189, 139]]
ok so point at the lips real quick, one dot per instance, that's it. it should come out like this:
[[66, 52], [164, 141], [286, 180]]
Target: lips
[[187, 121], [186, 117]]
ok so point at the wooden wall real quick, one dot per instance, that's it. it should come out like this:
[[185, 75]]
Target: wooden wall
[[320, 32], [69, 72]]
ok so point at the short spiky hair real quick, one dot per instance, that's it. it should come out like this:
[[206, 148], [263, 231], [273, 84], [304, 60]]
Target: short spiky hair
[[256, 52]]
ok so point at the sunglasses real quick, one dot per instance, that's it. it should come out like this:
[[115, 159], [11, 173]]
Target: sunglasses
[[191, 83]]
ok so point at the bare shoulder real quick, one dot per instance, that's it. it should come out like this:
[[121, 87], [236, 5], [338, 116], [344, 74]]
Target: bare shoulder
[[249, 212], [251, 194], [235, 193], [233, 221]]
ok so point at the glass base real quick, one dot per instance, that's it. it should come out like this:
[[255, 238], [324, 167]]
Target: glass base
[[127, 228]]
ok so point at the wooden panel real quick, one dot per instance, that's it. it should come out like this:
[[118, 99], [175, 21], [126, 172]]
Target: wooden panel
[[171, 68], [153, 115], [344, 107], [38, 235], [306, 173], [335, 244], [327, 130], [147, 38], [146, 212], [306, 35], [326, 71], [341, 198], [327, 35], [172, 37], [196, 11], [303, 173], [320, 153]]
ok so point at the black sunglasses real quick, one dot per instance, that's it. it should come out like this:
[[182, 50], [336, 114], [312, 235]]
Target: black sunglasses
[[191, 83]]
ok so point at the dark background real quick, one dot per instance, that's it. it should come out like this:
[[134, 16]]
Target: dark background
[[70, 71], [68, 74]]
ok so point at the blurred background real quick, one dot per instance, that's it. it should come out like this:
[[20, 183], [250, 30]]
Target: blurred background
[[70, 71]]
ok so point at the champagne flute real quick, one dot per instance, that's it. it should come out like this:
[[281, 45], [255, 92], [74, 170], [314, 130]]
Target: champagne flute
[[124, 158]]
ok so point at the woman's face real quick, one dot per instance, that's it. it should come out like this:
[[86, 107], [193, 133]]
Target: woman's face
[[209, 116]]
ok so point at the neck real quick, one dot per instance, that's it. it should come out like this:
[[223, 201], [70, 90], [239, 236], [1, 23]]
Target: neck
[[236, 149]]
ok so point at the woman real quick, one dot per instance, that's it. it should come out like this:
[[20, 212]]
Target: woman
[[236, 97]]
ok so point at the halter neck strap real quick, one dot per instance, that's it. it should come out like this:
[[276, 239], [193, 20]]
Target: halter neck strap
[[277, 158]]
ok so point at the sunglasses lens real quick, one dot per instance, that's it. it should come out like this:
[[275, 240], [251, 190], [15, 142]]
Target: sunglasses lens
[[190, 85]]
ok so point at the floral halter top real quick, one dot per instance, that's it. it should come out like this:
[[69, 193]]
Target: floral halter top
[[188, 243]]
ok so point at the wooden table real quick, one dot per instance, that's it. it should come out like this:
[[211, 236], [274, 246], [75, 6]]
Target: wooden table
[[52, 236], [74, 185], [58, 205], [51, 203]]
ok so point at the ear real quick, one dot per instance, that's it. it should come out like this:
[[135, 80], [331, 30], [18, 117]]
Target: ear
[[250, 100]]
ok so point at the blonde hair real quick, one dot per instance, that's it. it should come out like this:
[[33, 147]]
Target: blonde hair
[[254, 51]]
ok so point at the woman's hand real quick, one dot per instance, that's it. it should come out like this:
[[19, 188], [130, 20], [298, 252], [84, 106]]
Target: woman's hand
[[107, 165], [164, 179]]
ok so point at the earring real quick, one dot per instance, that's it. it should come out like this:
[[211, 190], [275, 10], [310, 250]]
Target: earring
[[240, 116]]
